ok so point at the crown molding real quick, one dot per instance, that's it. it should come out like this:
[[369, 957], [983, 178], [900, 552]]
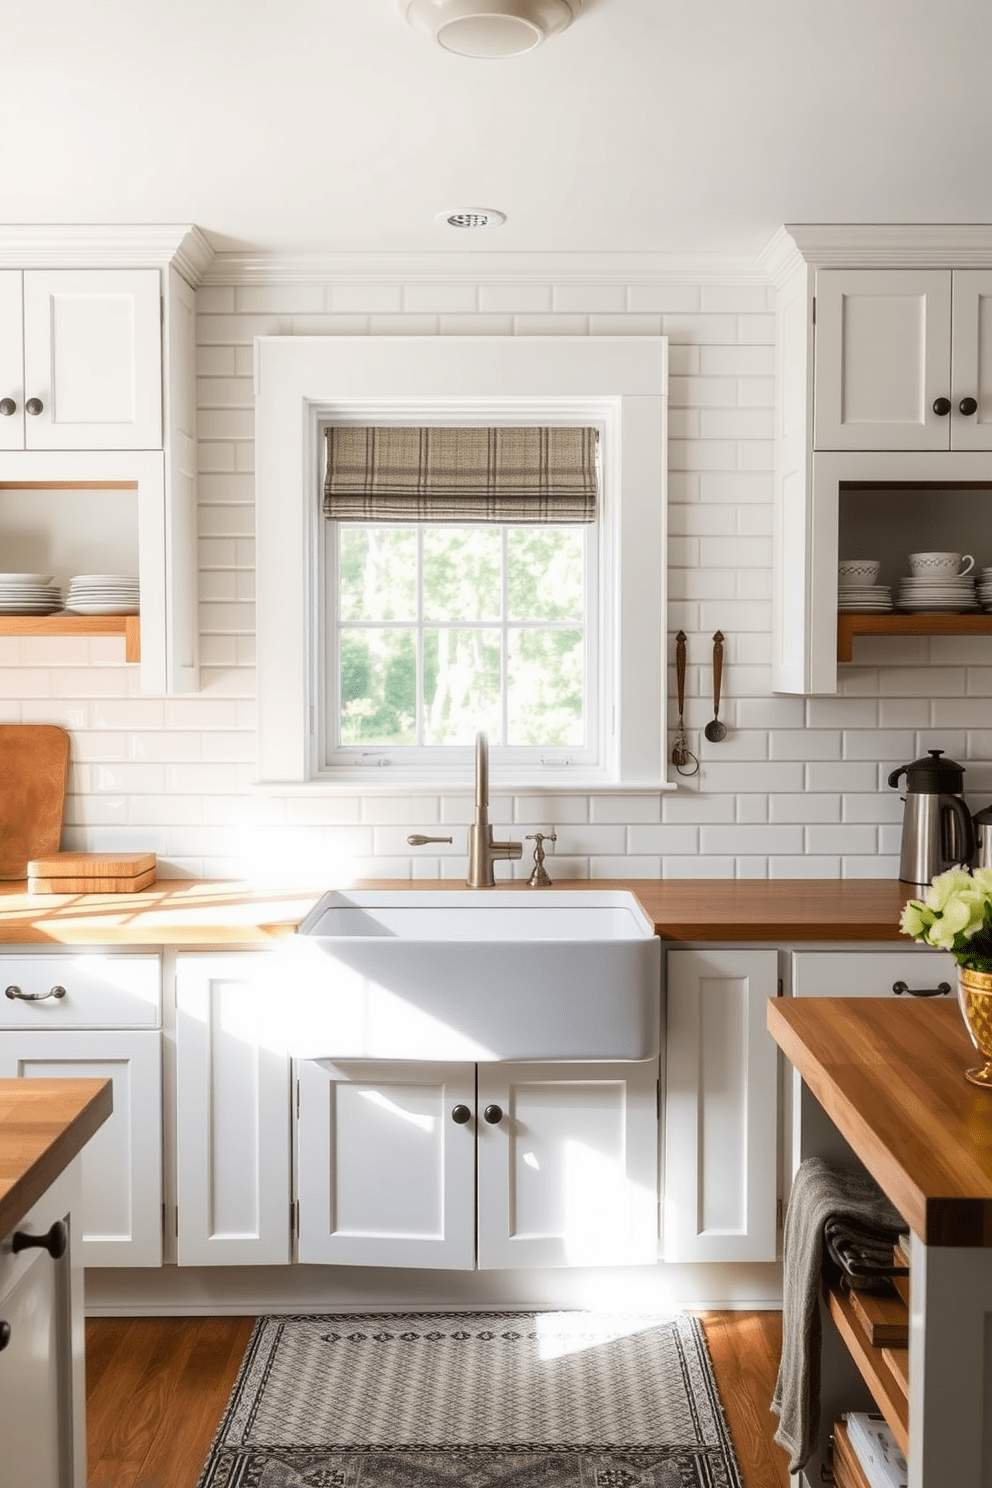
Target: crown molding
[[241, 268], [945, 245], [110, 246]]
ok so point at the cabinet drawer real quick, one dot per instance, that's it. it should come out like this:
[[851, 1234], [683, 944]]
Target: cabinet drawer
[[101, 991], [869, 973]]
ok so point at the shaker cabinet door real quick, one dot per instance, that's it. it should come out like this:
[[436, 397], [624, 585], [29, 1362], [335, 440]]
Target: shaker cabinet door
[[883, 358], [93, 359], [120, 1217], [721, 1109], [568, 1164], [386, 1163], [233, 1116]]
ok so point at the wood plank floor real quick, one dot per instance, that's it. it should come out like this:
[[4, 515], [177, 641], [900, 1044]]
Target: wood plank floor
[[156, 1389]]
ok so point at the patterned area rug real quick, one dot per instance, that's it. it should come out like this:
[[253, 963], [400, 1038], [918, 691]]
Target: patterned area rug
[[474, 1400]]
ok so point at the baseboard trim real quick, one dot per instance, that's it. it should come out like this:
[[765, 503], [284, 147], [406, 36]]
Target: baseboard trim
[[247, 1291]]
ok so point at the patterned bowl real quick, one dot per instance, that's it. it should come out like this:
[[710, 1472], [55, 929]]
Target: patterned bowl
[[852, 571]]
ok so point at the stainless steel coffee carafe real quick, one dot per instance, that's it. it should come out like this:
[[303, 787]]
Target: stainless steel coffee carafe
[[937, 831], [983, 837]]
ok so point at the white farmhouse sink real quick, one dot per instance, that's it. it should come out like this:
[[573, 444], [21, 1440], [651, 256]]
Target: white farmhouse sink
[[490, 974]]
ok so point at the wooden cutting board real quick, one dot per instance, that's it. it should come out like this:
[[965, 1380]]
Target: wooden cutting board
[[34, 767]]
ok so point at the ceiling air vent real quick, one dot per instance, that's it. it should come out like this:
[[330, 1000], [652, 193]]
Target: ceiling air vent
[[473, 217]]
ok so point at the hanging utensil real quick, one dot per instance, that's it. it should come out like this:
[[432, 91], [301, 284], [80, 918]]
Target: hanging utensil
[[715, 730], [682, 758]]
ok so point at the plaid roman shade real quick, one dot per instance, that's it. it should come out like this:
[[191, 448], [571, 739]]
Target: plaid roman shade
[[461, 474]]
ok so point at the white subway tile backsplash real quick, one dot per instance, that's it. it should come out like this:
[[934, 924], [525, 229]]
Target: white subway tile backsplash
[[760, 838], [665, 840], [629, 865], [806, 744]]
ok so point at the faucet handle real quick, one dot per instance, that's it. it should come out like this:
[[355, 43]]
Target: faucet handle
[[419, 840], [540, 878]]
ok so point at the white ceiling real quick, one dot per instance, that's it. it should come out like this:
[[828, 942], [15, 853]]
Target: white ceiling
[[663, 126]]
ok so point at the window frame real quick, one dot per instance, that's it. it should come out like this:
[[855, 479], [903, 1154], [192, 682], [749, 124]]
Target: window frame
[[617, 383]]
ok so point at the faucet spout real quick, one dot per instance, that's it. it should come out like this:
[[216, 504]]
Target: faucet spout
[[481, 772], [483, 852]]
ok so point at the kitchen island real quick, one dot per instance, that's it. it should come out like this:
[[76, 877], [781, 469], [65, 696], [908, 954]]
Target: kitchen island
[[44, 1124], [890, 1079]]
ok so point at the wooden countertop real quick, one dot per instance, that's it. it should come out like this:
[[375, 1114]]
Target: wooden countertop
[[193, 913], [43, 1125], [890, 1075]]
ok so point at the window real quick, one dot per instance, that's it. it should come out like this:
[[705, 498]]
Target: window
[[384, 646], [437, 630]]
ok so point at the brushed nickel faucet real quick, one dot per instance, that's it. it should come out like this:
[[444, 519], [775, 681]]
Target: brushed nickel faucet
[[482, 850]]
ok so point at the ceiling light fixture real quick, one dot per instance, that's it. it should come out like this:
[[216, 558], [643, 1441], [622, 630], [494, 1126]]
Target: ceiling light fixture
[[473, 217], [490, 28]]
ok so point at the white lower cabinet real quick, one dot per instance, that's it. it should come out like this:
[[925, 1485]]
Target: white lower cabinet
[[721, 1108], [42, 1396], [97, 1016], [500, 1166], [233, 1113]]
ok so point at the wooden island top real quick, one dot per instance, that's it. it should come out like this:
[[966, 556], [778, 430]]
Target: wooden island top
[[43, 1126], [192, 912], [890, 1075]]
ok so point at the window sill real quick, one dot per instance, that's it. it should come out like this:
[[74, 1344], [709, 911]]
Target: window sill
[[353, 784]]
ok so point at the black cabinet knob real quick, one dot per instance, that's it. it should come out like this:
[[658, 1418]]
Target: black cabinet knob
[[34, 406], [460, 1115], [4, 1334], [55, 1241], [7, 407], [942, 407], [493, 1114], [968, 406]]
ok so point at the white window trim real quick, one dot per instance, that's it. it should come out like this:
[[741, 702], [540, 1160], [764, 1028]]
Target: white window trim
[[301, 382]]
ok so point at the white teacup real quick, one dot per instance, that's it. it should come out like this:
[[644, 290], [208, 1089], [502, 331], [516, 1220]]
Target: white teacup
[[940, 565], [857, 571]]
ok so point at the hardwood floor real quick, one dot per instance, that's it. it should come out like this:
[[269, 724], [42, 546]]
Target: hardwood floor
[[156, 1389]]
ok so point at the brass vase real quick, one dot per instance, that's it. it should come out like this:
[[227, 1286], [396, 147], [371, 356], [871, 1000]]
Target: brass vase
[[975, 1002]]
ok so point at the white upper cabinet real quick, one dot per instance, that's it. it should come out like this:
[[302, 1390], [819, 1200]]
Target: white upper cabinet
[[98, 428], [903, 359], [883, 349], [80, 359]]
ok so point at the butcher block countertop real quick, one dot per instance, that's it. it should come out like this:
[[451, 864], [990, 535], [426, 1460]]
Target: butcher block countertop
[[43, 1125], [190, 912], [890, 1075]]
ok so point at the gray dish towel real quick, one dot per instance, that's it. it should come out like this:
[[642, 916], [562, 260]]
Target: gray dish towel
[[820, 1193]]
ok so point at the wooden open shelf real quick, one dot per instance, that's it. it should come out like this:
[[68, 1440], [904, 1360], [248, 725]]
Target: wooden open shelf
[[851, 624], [848, 1472], [881, 1370], [128, 626]]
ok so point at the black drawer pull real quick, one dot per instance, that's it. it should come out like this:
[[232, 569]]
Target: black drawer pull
[[4, 1334], [941, 990], [55, 1241], [16, 995]]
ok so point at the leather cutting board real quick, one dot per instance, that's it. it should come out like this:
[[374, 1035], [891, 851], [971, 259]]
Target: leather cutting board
[[34, 767]]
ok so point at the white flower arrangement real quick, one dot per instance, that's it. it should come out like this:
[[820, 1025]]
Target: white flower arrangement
[[956, 916]]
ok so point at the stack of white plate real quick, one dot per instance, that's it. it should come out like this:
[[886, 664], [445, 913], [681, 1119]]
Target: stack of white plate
[[867, 598], [984, 590], [29, 594], [102, 594], [952, 596]]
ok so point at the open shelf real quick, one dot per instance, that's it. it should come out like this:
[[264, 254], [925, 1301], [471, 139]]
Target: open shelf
[[881, 1368], [851, 624], [128, 626], [848, 1472]]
